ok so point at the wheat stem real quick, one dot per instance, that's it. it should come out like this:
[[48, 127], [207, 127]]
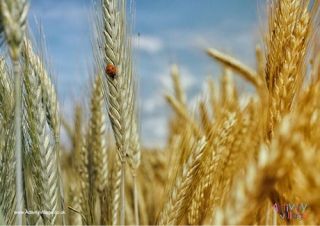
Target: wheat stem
[[122, 192], [116, 183], [135, 199], [17, 117]]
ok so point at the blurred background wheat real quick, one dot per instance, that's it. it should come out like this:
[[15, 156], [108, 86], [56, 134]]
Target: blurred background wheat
[[233, 157]]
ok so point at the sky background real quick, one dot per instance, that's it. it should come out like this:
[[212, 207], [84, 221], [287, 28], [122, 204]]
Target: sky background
[[171, 32]]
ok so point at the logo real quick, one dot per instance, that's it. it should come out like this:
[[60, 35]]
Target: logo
[[289, 211]]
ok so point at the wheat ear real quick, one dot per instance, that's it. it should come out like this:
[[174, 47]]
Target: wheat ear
[[246, 72], [51, 104], [84, 181], [7, 171], [119, 94], [98, 146], [290, 27], [180, 95], [181, 112], [119, 86], [272, 166], [44, 153], [80, 164], [182, 190], [6, 91], [76, 134], [13, 18], [134, 157], [7, 154]]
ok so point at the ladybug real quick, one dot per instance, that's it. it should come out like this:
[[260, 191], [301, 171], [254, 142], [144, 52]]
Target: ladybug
[[111, 70]]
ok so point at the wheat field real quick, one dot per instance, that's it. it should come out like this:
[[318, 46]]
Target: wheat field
[[236, 158]]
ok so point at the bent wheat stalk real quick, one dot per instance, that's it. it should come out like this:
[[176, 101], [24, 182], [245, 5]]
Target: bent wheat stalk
[[246, 72]]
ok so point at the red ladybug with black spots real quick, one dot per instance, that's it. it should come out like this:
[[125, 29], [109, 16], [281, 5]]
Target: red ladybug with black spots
[[111, 70]]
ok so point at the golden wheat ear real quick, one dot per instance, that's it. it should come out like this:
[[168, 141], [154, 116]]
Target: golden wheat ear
[[181, 192], [291, 30]]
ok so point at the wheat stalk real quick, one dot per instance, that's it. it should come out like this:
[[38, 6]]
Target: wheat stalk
[[13, 20], [116, 184]]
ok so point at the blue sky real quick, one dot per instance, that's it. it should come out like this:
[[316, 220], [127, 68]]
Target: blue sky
[[172, 32]]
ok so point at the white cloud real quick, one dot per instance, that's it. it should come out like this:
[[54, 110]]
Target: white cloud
[[151, 104], [155, 131], [149, 44]]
